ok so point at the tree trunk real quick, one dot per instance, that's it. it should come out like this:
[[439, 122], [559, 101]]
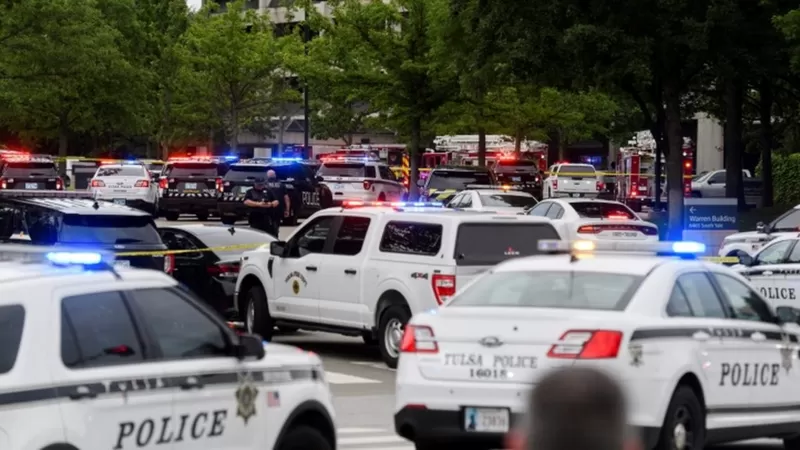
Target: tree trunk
[[481, 146], [413, 156], [518, 143], [658, 130], [734, 98], [63, 137], [765, 113], [674, 133]]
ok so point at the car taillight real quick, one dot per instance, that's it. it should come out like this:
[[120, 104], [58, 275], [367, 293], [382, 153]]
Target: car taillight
[[599, 185], [163, 183], [367, 185], [5, 182], [587, 344], [634, 193], [555, 183], [444, 287], [418, 339], [98, 183], [224, 270], [219, 185], [59, 184], [169, 263], [142, 183]]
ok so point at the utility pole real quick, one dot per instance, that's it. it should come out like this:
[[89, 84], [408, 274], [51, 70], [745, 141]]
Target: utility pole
[[306, 109]]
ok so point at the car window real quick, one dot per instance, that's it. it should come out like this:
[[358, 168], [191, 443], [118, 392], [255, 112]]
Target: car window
[[246, 173], [455, 202], [701, 295], [30, 169], [386, 174], [718, 177], [551, 289], [411, 238], [191, 169], [121, 171], [773, 253], [541, 209], [108, 229], [180, 328], [745, 303], [350, 238], [794, 256], [555, 211], [789, 221], [97, 330], [179, 240], [12, 319], [312, 238], [284, 172], [466, 201], [569, 170], [354, 170], [487, 244], [678, 305]]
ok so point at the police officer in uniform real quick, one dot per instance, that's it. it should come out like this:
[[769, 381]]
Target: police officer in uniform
[[261, 203], [278, 192]]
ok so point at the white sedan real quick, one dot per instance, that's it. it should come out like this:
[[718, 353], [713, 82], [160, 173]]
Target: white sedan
[[583, 218], [126, 184], [492, 199]]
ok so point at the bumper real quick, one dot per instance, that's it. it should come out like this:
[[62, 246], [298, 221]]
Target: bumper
[[188, 205], [426, 425], [576, 194]]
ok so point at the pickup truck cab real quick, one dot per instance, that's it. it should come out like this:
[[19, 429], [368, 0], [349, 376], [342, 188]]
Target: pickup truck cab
[[365, 269]]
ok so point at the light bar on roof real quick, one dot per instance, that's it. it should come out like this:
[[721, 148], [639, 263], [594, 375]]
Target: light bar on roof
[[360, 204], [504, 187], [23, 193], [56, 256], [680, 248], [287, 159]]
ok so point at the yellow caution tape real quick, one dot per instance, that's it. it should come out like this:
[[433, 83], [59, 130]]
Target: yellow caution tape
[[721, 259], [198, 250]]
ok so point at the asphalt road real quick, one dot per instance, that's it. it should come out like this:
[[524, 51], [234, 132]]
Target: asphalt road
[[363, 389]]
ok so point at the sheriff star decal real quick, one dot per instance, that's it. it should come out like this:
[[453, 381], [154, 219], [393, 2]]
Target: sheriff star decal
[[786, 354], [246, 396]]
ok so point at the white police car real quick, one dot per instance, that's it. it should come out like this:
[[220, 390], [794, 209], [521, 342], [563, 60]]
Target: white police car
[[96, 358], [703, 357], [749, 242], [126, 184], [775, 270]]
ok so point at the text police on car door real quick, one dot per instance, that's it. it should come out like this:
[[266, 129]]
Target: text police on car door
[[206, 424]]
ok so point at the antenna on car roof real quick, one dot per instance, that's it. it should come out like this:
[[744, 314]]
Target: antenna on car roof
[[232, 230]]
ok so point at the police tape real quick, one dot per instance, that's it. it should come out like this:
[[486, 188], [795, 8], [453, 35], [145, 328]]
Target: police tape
[[721, 259], [194, 250]]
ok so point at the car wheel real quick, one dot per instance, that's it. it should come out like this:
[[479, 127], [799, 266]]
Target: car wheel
[[390, 333], [257, 319], [202, 216], [304, 437], [684, 423], [172, 216]]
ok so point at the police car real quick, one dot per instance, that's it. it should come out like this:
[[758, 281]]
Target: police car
[[94, 357], [775, 270], [366, 268], [190, 186], [360, 179], [586, 218], [29, 172], [126, 183], [445, 181], [505, 200], [749, 242], [702, 355]]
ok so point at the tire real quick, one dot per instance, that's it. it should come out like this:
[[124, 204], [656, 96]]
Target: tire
[[202, 216], [256, 313], [228, 220], [303, 437], [684, 410], [172, 216], [388, 339]]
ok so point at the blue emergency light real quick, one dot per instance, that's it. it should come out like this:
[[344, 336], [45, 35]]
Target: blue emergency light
[[231, 158], [683, 249], [55, 256], [357, 204], [74, 258], [287, 159], [688, 247]]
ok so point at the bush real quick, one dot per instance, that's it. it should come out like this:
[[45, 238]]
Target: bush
[[785, 178]]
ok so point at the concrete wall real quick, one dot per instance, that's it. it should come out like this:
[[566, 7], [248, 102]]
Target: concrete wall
[[709, 143]]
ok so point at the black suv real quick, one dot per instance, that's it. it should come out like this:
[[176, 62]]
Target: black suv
[[30, 173], [239, 179], [190, 186], [520, 173], [445, 182], [76, 220]]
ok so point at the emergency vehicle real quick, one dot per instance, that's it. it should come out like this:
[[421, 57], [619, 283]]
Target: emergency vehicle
[[190, 185], [29, 172], [463, 148], [360, 179], [126, 183], [704, 359], [100, 357]]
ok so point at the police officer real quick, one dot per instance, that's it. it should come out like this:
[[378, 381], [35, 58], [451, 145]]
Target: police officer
[[283, 210], [575, 409], [261, 203]]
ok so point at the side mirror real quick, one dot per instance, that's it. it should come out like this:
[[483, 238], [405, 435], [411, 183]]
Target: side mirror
[[249, 346], [746, 260], [277, 248], [761, 227], [319, 178], [787, 314]]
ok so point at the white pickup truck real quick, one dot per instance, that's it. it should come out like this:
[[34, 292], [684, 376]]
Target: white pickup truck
[[364, 270]]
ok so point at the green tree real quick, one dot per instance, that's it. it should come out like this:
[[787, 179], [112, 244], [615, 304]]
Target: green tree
[[395, 50], [234, 70], [69, 76]]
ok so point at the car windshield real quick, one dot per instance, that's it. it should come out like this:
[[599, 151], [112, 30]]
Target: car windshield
[[192, 169], [700, 176], [551, 289], [458, 180], [790, 221], [246, 173], [508, 200], [27, 169], [120, 171], [155, 167], [108, 229], [601, 210], [353, 170]]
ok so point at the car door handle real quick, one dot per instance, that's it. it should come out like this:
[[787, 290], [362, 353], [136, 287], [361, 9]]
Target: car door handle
[[82, 395], [701, 336], [311, 268], [767, 273], [350, 271], [191, 383], [758, 336]]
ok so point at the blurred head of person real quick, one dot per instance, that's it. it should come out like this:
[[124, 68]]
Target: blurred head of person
[[271, 175], [259, 184], [575, 408]]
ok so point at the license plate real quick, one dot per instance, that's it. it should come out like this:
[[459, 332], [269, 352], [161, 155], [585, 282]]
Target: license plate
[[516, 178], [31, 185], [122, 263], [625, 234], [487, 420], [119, 201], [190, 186], [338, 186]]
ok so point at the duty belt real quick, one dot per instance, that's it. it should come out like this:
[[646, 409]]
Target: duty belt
[[441, 194]]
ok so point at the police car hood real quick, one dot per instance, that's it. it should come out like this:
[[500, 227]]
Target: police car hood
[[290, 355]]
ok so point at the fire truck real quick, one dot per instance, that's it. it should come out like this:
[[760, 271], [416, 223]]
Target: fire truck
[[463, 149]]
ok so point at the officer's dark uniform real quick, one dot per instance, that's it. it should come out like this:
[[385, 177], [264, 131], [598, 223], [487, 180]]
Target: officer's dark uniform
[[261, 218], [277, 190]]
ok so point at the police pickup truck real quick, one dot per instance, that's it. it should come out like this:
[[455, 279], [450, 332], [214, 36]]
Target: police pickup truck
[[364, 269], [750, 242]]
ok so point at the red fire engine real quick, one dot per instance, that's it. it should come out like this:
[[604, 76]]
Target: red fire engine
[[636, 173]]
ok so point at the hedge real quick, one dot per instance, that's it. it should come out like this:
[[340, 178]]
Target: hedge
[[785, 178]]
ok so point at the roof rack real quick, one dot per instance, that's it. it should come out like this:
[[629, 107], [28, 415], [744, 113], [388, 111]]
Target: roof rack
[[57, 256], [682, 249], [22, 193]]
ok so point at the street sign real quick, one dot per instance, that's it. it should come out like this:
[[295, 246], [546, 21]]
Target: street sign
[[710, 214]]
